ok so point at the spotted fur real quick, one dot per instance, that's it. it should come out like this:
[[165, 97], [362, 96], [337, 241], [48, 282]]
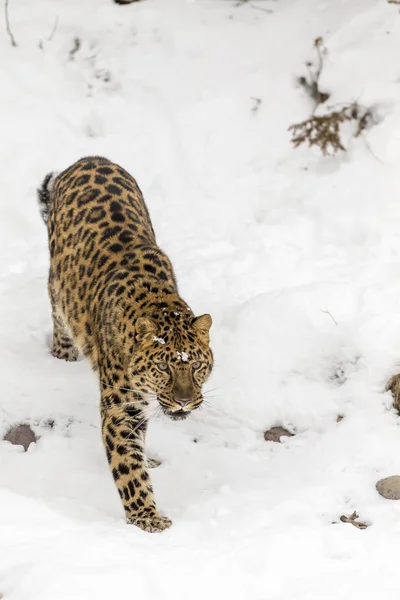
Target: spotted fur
[[114, 297]]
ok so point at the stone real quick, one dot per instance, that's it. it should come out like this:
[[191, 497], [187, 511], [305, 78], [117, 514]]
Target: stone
[[389, 487], [393, 385], [20, 435], [276, 433]]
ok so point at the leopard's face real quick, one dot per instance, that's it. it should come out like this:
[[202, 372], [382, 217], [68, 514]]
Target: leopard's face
[[172, 363]]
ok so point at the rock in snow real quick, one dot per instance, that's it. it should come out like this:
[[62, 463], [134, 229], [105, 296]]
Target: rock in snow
[[276, 433], [20, 435], [389, 487]]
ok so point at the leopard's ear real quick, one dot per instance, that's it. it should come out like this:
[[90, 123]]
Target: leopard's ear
[[145, 328], [202, 325]]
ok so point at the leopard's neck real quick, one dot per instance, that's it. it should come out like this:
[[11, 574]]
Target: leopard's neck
[[145, 299]]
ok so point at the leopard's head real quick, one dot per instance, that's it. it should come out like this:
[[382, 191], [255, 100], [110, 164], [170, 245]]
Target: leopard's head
[[172, 360]]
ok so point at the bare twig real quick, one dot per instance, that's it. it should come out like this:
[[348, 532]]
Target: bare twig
[[75, 48], [256, 105], [368, 147], [243, 2], [6, 413], [328, 313], [267, 10], [12, 38], [311, 86], [53, 31], [363, 121], [352, 520]]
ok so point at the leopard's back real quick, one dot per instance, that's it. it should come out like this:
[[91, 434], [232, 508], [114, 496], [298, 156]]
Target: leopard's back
[[99, 200], [101, 238]]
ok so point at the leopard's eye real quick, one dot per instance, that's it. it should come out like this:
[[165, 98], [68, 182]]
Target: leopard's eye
[[162, 366], [196, 365]]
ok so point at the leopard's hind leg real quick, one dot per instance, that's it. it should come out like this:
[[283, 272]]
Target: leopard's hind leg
[[63, 346]]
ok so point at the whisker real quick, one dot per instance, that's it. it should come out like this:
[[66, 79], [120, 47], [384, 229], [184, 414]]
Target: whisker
[[208, 391], [152, 412], [249, 422], [158, 412], [139, 424], [223, 384]]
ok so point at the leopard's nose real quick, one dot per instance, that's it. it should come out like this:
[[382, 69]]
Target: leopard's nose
[[182, 402]]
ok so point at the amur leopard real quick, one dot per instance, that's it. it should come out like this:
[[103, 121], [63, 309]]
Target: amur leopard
[[114, 297]]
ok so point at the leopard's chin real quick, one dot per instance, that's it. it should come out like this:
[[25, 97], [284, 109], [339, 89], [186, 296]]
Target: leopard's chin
[[178, 415]]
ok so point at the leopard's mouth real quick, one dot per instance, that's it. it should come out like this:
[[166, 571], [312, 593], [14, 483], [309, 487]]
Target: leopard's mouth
[[177, 415]]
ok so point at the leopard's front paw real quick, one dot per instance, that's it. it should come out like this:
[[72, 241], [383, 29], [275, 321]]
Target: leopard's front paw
[[151, 523], [68, 354], [393, 385], [153, 463]]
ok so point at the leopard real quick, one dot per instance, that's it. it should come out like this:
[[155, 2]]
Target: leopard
[[114, 299]]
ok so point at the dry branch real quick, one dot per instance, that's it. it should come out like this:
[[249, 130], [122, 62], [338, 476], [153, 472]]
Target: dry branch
[[75, 48], [311, 85], [353, 521], [324, 130], [8, 28], [53, 31]]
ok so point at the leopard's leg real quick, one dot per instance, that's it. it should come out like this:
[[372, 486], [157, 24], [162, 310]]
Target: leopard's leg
[[393, 385], [124, 442], [63, 345], [152, 463]]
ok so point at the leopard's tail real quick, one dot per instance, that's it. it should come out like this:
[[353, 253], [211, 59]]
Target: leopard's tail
[[45, 195]]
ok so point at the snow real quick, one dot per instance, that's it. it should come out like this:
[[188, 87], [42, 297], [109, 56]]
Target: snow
[[160, 340], [182, 356], [295, 256]]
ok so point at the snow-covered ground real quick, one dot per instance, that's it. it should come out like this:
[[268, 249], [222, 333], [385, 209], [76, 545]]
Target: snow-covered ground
[[296, 256]]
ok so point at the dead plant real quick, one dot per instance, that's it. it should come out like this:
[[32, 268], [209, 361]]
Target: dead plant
[[311, 84], [324, 131]]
